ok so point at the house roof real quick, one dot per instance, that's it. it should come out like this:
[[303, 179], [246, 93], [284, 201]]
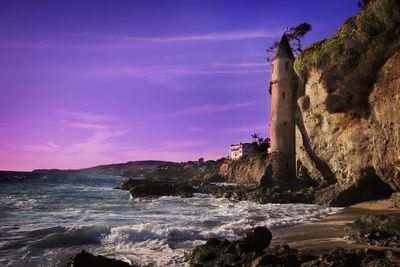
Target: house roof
[[284, 49]]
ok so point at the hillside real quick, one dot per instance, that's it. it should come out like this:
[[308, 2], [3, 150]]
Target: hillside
[[131, 168]]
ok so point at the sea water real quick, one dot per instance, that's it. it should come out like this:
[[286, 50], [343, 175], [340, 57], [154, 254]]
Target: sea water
[[44, 219]]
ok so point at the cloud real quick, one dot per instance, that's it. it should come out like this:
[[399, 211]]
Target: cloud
[[51, 144], [214, 36], [35, 148], [113, 41], [196, 129], [85, 116], [153, 72], [209, 108], [250, 129], [211, 36]]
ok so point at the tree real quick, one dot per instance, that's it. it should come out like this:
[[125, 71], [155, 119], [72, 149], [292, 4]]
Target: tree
[[262, 143], [364, 3], [294, 35], [255, 137]]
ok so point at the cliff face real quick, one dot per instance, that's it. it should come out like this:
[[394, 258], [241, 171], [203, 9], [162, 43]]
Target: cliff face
[[247, 170], [347, 116], [346, 150]]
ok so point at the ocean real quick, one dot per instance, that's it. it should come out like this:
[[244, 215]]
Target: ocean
[[46, 218]]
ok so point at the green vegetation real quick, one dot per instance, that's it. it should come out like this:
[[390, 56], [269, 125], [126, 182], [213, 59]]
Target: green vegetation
[[294, 35], [351, 59], [263, 144]]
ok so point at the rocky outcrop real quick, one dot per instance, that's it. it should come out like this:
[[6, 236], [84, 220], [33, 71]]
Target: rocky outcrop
[[205, 171], [157, 188], [348, 123], [253, 251], [351, 152], [85, 259], [247, 170], [377, 230]]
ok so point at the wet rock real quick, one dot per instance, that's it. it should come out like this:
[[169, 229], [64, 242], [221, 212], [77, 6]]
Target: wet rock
[[253, 251], [396, 199], [377, 230], [85, 259], [157, 188], [350, 258]]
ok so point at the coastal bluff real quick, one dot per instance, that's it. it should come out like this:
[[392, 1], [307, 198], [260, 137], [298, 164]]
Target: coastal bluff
[[347, 116]]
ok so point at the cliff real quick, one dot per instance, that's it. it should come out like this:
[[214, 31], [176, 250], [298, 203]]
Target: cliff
[[247, 170], [347, 117]]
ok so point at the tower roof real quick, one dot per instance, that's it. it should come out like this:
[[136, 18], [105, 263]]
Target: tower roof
[[284, 49]]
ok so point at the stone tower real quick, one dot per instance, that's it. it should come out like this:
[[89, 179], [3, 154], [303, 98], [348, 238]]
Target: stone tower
[[284, 85]]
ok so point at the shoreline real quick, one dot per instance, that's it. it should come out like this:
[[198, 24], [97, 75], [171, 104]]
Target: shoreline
[[329, 232]]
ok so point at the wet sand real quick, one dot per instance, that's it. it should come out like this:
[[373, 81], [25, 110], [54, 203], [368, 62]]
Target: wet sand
[[329, 232]]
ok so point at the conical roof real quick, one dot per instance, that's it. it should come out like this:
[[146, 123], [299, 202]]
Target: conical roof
[[284, 49]]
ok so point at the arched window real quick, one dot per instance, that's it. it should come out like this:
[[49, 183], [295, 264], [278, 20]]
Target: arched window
[[284, 123], [287, 66], [283, 95]]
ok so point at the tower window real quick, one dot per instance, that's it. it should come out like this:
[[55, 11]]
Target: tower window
[[287, 66], [272, 68], [283, 95], [284, 123]]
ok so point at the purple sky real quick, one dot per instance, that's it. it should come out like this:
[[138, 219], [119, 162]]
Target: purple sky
[[84, 83]]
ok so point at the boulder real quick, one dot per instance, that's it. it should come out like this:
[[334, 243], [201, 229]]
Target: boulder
[[157, 188], [85, 259]]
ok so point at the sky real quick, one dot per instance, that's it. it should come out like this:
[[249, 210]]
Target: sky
[[84, 83]]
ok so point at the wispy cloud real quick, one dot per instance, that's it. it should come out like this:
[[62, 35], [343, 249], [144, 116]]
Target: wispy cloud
[[152, 72], [209, 108], [196, 129], [85, 116], [112, 41], [211, 36], [215, 36], [252, 129]]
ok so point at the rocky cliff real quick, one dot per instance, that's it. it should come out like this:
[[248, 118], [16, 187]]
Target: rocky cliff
[[247, 170], [348, 128]]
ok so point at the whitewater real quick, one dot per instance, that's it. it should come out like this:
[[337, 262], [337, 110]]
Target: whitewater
[[45, 219]]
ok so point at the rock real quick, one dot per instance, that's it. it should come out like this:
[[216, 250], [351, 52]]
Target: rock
[[396, 199], [247, 170], [337, 148], [349, 258], [259, 239], [157, 188], [347, 115], [85, 259], [367, 187], [378, 230], [216, 252]]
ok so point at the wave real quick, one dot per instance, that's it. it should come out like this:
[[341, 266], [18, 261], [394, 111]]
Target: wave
[[72, 237]]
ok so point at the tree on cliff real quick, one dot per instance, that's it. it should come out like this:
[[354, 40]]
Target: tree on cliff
[[294, 35], [262, 143], [364, 3], [255, 137]]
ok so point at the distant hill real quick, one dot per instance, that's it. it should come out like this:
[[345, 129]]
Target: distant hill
[[131, 168]]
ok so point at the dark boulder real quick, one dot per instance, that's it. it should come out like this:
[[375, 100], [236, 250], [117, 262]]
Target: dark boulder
[[85, 259], [157, 188]]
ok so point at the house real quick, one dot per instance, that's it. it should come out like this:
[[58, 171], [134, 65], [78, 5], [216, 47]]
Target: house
[[237, 151]]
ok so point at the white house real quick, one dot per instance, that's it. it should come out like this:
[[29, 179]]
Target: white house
[[239, 150]]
